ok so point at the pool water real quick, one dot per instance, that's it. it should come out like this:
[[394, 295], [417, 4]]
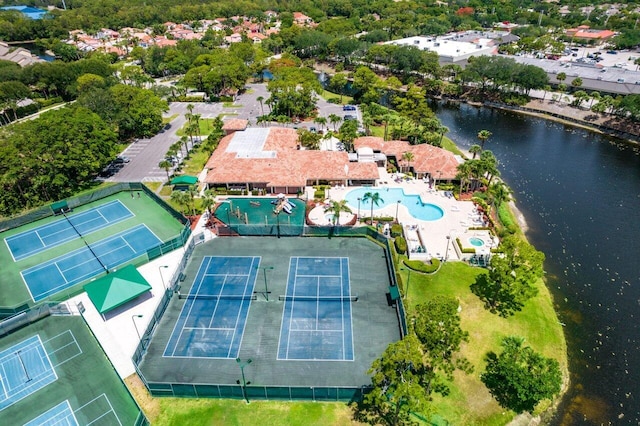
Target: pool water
[[390, 197], [476, 242]]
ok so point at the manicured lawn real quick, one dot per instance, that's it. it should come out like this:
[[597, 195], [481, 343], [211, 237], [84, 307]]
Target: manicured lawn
[[196, 161], [205, 127], [231, 105], [203, 412], [470, 403], [169, 119], [328, 95]]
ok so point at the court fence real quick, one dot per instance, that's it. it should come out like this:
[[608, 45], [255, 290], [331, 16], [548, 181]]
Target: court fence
[[325, 393], [85, 198]]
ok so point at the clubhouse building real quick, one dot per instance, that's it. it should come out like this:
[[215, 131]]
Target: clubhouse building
[[271, 161]]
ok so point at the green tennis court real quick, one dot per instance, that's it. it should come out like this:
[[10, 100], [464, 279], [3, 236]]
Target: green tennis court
[[84, 389], [122, 211]]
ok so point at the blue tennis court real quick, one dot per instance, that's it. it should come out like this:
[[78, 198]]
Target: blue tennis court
[[24, 369], [316, 321], [211, 323], [60, 415], [60, 273], [55, 233]]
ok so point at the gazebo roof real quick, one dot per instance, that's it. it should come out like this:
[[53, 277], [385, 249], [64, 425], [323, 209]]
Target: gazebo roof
[[117, 288], [184, 180]]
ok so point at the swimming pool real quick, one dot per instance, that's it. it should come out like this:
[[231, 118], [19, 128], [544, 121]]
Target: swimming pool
[[391, 196], [476, 242]]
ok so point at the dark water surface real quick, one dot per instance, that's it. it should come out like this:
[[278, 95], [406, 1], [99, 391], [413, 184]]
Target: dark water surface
[[580, 194]]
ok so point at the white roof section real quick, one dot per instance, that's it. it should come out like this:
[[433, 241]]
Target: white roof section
[[250, 143], [447, 48]]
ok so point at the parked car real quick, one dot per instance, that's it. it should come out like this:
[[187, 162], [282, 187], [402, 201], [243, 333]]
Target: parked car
[[121, 160], [612, 52], [349, 108], [349, 117]]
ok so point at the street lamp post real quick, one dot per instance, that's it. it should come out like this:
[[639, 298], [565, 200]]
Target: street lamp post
[[266, 289], [133, 319], [161, 277], [406, 292], [446, 253], [359, 199], [397, 206], [244, 382]]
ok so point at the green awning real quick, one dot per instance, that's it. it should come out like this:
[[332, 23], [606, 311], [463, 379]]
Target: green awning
[[116, 288], [394, 292], [184, 180]]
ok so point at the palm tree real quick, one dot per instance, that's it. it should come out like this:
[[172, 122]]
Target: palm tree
[[320, 121], [337, 207], [334, 119], [475, 149], [166, 165], [386, 118], [464, 175], [408, 157], [208, 200], [181, 198], [483, 135], [375, 198], [260, 99], [498, 193]]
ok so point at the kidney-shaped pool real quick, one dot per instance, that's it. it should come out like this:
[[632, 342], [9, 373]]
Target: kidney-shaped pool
[[390, 197]]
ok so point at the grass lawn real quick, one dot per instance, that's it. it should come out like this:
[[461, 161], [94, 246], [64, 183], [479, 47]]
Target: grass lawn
[[231, 105], [328, 95], [196, 161], [205, 124], [470, 403], [153, 185], [207, 412], [169, 119]]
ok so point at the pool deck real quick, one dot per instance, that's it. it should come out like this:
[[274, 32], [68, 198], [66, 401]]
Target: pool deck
[[458, 217]]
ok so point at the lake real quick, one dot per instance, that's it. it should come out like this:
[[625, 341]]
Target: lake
[[580, 195]]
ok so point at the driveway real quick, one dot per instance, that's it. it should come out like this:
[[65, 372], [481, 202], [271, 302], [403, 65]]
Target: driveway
[[146, 154]]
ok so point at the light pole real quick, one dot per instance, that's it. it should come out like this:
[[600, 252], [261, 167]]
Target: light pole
[[359, 199], [446, 253], [397, 206], [161, 277], [406, 292], [244, 382], [133, 319], [266, 289]]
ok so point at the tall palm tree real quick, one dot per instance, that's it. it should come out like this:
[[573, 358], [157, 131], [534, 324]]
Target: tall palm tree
[[375, 198], [208, 200], [260, 99], [166, 165], [337, 207], [464, 175], [182, 199], [483, 135], [408, 157], [475, 149], [334, 119], [498, 193]]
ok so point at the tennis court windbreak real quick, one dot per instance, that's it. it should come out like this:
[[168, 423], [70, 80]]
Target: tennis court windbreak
[[117, 288]]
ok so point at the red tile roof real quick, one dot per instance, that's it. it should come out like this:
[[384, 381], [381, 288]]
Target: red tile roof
[[426, 158], [290, 166], [235, 124]]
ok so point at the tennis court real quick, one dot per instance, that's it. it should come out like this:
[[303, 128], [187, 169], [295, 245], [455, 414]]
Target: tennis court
[[34, 241], [79, 265], [25, 368], [291, 347], [60, 415], [316, 321], [83, 388], [213, 318]]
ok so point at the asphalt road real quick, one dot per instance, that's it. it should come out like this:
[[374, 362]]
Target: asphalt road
[[146, 154]]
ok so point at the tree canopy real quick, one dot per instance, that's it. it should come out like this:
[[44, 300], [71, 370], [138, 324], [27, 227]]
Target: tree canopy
[[519, 378]]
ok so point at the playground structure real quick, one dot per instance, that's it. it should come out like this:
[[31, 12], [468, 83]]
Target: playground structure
[[282, 204]]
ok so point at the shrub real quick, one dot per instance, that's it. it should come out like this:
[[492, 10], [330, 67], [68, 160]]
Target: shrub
[[396, 230], [401, 245], [333, 100], [425, 267]]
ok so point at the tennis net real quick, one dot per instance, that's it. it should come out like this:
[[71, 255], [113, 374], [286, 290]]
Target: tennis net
[[217, 296], [319, 299]]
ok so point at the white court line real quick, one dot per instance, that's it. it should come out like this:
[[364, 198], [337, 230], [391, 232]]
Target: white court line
[[246, 285], [207, 328], [105, 413], [4, 389], [175, 327], [80, 352]]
